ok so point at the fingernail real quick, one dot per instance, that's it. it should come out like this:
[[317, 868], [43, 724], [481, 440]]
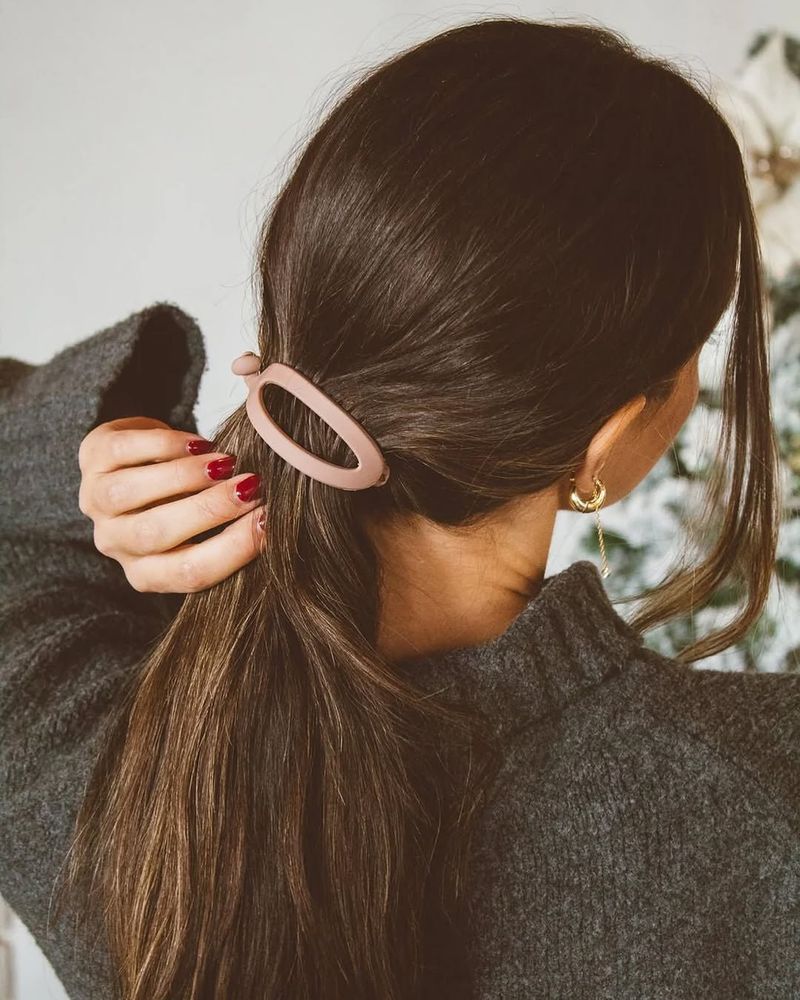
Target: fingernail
[[221, 468], [246, 488], [199, 446]]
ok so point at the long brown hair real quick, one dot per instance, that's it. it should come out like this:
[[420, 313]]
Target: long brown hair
[[492, 241]]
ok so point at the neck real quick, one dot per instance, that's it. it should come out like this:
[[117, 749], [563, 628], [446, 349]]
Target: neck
[[446, 588]]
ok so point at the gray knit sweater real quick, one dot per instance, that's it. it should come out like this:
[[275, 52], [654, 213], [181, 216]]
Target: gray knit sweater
[[643, 838]]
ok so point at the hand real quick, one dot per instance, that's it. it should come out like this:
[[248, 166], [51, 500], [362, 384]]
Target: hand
[[139, 522]]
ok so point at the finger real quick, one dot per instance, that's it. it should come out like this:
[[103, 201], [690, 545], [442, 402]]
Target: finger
[[131, 441], [164, 526], [140, 421], [194, 567], [121, 491]]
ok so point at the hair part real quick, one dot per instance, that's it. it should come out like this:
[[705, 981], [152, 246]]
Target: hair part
[[491, 242]]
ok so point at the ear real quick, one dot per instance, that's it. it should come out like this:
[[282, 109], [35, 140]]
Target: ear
[[604, 441]]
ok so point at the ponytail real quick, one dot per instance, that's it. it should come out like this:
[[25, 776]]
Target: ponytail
[[278, 812]]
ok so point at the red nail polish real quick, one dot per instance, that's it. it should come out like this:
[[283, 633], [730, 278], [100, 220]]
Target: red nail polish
[[199, 446], [247, 488], [221, 468]]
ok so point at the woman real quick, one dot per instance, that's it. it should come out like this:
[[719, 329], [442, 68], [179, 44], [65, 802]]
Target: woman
[[373, 752]]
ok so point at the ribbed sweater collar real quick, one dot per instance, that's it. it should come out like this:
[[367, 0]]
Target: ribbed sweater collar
[[568, 638]]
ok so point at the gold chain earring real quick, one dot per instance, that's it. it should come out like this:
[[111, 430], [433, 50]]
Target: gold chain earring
[[593, 504]]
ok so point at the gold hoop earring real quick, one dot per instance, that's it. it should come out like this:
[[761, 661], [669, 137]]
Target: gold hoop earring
[[592, 505]]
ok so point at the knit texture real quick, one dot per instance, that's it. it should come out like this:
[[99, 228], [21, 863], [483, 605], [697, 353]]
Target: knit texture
[[642, 840]]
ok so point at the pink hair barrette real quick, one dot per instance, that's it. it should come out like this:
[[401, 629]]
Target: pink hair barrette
[[371, 470]]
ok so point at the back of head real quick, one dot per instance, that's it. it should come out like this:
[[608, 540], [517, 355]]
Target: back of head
[[490, 243]]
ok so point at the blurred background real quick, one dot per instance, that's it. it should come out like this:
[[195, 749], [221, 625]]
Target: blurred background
[[140, 145]]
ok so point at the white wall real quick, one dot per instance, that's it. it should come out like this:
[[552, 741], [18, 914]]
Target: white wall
[[140, 142]]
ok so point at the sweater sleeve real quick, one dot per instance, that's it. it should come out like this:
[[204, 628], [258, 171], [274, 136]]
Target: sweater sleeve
[[71, 627], [149, 364], [54, 584]]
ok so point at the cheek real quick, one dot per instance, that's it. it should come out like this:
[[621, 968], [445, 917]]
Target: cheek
[[684, 402], [688, 387], [692, 392], [694, 387]]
